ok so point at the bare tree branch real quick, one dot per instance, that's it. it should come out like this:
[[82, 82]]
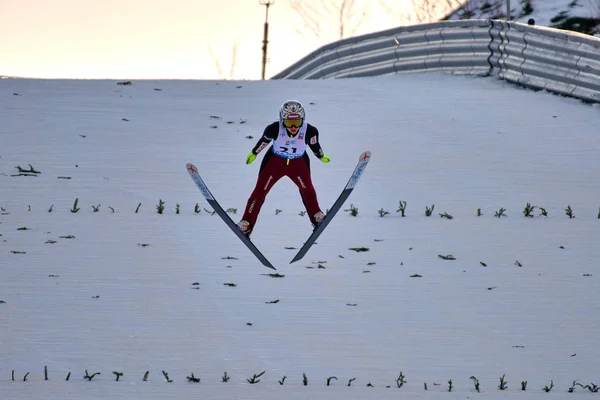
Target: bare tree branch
[[418, 11], [233, 60], [216, 61], [232, 65], [330, 19]]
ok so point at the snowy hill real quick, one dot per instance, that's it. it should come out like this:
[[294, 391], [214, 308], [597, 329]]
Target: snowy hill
[[577, 15], [498, 284]]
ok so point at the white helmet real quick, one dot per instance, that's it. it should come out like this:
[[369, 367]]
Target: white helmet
[[291, 109]]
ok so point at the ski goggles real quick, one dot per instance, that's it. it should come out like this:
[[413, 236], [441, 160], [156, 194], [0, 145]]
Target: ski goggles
[[292, 123]]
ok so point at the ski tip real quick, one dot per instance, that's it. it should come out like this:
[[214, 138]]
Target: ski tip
[[191, 168], [365, 156]]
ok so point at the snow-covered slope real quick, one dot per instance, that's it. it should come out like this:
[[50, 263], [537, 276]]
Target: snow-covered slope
[[128, 290], [578, 15]]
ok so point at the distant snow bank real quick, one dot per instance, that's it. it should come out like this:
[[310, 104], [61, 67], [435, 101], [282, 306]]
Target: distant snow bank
[[574, 15]]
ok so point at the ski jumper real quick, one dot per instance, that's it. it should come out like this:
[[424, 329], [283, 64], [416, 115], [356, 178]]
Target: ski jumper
[[286, 157]]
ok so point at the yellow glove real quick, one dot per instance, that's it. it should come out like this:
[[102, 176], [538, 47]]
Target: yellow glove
[[251, 157], [325, 158]]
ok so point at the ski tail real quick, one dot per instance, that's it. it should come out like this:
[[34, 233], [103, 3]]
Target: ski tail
[[193, 171]]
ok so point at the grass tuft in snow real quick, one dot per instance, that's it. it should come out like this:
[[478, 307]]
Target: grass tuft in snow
[[352, 210], [383, 213], [429, 210], [401, 207], [275, 275], [548, 388], [523, 385], [304, 379], [500, 213], [225, 378], [475, 383], [90, 377], [359, 249], [160, 207], [592, 387], [400, 380], [446, 215], [118, 375], [255, 377], [75, 208], [572, 387], [26, 172], [569, 212], [528, 210], [503, 385], [192, 378], [329, 380], [31, 170], [166, 375]]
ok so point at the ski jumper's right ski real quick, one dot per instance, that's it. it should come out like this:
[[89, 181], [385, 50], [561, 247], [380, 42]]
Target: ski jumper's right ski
[[363, 160], [221, 213]]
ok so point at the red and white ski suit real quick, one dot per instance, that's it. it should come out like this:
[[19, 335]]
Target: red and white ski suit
[[276, 165]]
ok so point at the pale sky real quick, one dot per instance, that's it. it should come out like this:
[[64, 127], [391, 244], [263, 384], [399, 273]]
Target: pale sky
[[155, 39]]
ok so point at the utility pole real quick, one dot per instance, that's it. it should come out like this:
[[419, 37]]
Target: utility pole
[[267, 4], [508, 10]]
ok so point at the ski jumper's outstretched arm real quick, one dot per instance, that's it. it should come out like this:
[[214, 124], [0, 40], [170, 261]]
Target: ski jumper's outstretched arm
[[269, 134], [312, 139]]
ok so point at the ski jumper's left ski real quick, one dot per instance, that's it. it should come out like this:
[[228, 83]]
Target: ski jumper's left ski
[[224, 216], [363, 160]]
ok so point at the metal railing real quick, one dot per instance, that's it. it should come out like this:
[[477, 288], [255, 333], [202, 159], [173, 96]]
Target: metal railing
[[559, 61]]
